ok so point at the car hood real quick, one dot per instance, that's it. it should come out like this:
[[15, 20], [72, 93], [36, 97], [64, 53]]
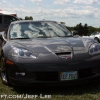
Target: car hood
[[51, 44]]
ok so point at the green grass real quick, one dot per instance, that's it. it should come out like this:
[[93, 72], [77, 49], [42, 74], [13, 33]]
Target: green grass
[[89, 91]]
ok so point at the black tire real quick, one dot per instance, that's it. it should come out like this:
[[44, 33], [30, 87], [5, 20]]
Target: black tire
[[3, 72], [96, 39]]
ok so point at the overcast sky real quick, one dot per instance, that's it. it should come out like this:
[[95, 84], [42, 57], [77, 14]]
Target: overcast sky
[[71, 12]]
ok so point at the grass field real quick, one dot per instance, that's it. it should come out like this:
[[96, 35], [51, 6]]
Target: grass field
[[90, 91]]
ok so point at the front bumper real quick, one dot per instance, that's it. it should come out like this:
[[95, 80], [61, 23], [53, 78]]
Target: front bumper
[[49, 74], [22, 82]]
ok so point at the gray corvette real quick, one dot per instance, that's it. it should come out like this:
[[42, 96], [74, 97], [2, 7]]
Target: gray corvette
[[45, 52]]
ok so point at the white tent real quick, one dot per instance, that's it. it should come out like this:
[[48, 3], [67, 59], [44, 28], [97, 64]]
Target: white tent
[[7, 13]]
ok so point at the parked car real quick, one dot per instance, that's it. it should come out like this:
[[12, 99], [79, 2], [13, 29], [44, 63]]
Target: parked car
[[5, 21], [95, 36], [45, 52]]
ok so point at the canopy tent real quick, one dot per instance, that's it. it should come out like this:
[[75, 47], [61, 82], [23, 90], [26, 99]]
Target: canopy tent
[[7, 13]]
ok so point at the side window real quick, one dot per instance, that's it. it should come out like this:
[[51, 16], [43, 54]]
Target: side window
[[0, 19], [9, 19]]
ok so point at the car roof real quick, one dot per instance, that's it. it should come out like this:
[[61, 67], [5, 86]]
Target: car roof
[[22, 21]]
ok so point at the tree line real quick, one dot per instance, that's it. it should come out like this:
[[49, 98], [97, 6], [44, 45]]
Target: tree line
[[83, 29], [27, 18]]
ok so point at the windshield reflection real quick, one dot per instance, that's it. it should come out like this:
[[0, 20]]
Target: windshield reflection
[[38, 30]]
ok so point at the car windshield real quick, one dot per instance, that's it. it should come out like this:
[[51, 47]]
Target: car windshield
[[25, 30]]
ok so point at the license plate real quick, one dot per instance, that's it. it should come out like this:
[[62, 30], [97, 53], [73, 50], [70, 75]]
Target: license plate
[[68, 75]]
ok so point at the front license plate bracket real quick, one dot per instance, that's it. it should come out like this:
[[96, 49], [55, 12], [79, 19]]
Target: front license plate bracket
[[72, 75]]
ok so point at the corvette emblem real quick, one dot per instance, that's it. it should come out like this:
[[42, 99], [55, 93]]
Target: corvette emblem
[[68, 57]]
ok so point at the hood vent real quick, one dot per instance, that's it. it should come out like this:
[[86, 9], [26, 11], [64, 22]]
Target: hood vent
[[66, 55]]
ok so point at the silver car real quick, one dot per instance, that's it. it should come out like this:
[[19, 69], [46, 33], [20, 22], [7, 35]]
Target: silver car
[[95, 36], [46, 53]]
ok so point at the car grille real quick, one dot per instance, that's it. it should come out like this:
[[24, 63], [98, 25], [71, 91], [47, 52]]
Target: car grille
[[47, 76], [54, 75]]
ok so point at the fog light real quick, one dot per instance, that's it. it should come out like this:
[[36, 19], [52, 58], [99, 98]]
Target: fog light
[[20, 73], [23, 74], [17, 73]]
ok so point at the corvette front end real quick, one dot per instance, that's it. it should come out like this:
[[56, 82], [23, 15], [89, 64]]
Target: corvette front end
[[45, 52]]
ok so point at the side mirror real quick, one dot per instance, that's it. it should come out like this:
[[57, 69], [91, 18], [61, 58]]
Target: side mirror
[[74, 33], [3, 36]]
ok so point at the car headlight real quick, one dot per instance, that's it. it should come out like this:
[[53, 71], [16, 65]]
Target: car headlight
[[94, 49], [23, 53]]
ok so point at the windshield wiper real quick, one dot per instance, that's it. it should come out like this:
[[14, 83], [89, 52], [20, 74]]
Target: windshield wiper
[[19, 38], [66, 36]]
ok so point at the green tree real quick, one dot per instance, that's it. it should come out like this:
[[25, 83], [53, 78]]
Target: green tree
[[31, 18], [20, 19], [28, 18], [85, 30], [91, 30], [80, 29]]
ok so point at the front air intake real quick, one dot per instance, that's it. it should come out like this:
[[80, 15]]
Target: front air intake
[[66, 55]]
